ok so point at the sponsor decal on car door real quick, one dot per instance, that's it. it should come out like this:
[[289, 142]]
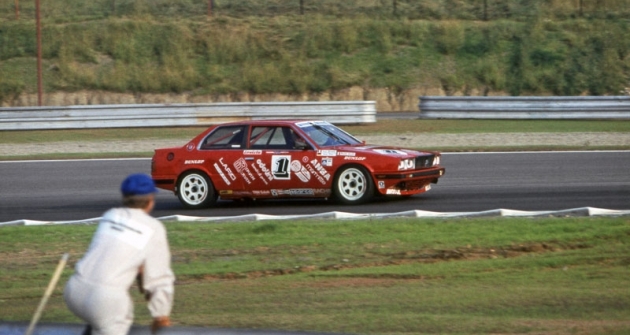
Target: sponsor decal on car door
[[259, 171], [226, 176], [280, 167], [284, 171]]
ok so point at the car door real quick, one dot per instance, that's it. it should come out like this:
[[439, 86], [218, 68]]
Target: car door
[[222, 149], [279, 156]]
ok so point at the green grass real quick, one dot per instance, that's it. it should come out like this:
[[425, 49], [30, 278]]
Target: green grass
[[392, 276]]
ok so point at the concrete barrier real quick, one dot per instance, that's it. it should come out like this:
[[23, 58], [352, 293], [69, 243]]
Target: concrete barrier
[[161, 115], [574, 108]]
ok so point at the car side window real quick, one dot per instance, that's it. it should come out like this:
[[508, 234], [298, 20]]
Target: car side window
[[225, 138], [268, 138], [297, 141]]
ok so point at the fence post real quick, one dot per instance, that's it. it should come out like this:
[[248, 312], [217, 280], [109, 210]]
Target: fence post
[[38, 29], [301, 7]]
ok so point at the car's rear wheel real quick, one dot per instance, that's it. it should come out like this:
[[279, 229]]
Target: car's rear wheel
[[195, 190], [353, 185]]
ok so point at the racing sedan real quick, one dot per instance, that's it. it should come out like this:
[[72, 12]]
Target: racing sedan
[[289, 159]]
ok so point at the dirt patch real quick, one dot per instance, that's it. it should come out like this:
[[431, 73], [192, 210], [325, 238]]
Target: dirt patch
[[355, 282], [399, 258], [386, 100]]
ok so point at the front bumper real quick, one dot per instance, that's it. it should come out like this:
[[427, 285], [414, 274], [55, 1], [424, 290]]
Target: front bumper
[[408, 182]]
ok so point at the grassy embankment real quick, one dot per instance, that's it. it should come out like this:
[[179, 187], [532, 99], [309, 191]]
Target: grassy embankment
[[394, 276], [533, 47]]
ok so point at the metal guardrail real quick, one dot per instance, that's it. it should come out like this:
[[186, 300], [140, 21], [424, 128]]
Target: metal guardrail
[[577, 108], [162, 115]]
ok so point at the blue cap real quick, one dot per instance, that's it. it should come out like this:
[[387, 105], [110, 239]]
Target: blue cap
[[138, 184]]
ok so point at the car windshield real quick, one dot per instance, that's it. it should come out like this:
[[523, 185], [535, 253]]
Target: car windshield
[[325, 134]]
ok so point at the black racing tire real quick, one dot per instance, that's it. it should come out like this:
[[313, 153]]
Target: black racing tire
[[195, 190], [353, 185]]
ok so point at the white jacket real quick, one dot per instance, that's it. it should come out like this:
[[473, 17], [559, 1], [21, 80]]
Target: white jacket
[[125, 240]]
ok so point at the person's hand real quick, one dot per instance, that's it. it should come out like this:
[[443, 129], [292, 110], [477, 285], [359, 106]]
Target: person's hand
[[159, 323]]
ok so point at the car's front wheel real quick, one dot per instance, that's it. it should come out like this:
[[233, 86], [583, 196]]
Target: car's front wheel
[[353, 185], [195, 190]]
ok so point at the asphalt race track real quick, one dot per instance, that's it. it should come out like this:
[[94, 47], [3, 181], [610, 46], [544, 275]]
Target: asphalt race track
[[532, 181]]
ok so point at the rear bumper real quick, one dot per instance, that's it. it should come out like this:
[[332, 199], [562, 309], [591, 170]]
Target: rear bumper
[[165, 183]]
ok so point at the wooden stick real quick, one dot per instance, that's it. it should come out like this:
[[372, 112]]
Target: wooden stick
[[49, 290]]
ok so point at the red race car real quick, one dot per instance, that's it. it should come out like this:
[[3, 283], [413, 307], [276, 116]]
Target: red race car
[[289, 159]]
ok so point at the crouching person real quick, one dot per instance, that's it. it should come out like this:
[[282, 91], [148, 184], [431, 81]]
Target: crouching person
[[129, 245]]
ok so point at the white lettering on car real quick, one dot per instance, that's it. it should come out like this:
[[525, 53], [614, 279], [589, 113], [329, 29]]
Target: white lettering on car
[[326, 152], [259, 173], [218, 168], [186, 162], [252, 152], [320, 169], [293, 192], [391, 152], [227, 169], [241, 167], [264, 169], [314, 173], [300, 171]]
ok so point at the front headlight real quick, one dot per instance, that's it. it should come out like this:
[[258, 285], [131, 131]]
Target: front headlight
[[436, 160], [407, 164]]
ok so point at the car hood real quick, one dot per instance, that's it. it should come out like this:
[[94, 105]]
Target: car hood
[[389, 151]]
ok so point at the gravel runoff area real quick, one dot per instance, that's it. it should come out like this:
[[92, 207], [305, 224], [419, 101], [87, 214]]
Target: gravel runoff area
[[498, 141]]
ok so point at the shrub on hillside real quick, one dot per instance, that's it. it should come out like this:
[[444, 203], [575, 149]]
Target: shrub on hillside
[[10, 90]]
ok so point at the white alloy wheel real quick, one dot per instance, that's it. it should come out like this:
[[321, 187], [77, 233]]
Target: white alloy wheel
[[195, 190], [353, 185]]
